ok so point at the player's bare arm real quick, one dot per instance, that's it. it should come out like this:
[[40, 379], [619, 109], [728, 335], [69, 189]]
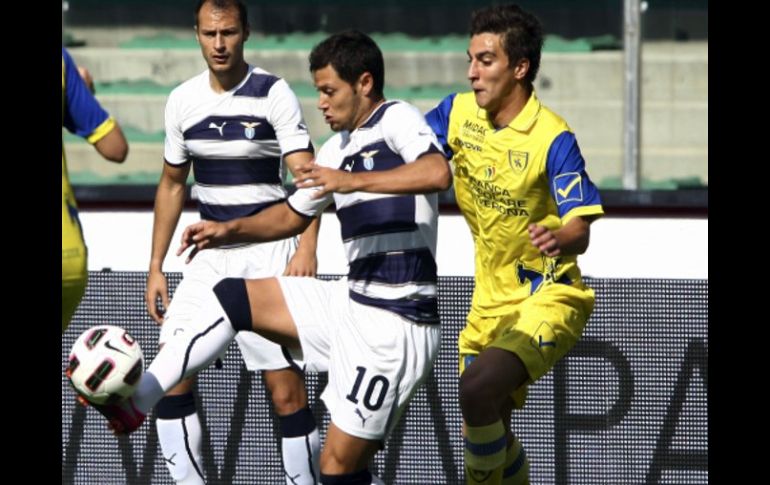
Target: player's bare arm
[[304, 261], [429, 173], [113, 146], [572, 238], [274, 223], [169, 202]]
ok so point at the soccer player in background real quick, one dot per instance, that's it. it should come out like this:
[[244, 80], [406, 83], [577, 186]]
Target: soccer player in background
[[520, 181], [84, 116], [236, 125], [376, 331]]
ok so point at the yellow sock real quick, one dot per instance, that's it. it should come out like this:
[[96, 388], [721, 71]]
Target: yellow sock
[[484, 453], [516, 468]]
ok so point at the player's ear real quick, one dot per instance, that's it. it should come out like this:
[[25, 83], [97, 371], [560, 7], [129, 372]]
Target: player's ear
[[246, 33], [521, 68], [366, 83]]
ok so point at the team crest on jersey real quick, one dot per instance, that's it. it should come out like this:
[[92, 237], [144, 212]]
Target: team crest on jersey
[[489, 172], [249, 130], [369, 159], [518, 161]]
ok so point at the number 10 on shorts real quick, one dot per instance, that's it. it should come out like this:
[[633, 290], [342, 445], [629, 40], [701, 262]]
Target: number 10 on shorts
[[377, 384]]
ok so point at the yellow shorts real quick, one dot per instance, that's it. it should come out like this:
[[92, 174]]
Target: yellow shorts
[[74, 269], [540, 330]]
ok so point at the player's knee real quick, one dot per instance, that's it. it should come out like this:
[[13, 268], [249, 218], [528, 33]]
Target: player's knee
[[287, 401], [474, 389], [232, 295], [287, 391]]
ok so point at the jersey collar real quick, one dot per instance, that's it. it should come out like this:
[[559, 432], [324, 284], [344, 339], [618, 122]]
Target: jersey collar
[[524, 120]]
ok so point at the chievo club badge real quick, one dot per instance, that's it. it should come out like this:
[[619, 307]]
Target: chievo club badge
[[369, 159], [249, 131], [518, 161]]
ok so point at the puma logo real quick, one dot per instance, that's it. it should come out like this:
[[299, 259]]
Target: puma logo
[[218, 128], [361, 415], [292, 479]]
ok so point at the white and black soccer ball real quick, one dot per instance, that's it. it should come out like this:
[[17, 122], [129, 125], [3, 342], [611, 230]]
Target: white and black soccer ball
[[105, 364]]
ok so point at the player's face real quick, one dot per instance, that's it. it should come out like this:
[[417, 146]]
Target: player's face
[[221, 38], [339, 101], [490, 72]]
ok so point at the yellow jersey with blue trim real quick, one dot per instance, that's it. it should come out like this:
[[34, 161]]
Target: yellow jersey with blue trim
[[530, 171]]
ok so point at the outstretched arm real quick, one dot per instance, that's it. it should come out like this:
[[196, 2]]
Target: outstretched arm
[[429, 173], [276, 222]]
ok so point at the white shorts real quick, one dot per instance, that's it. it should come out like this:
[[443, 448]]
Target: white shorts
[[376, 359], [207, 269]]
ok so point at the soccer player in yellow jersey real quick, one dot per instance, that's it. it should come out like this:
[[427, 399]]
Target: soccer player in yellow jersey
[[520, 182], [82, 115]]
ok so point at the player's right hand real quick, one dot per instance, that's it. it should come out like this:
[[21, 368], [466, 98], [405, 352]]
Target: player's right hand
[[157, 287], [201, 235], [325, 180]]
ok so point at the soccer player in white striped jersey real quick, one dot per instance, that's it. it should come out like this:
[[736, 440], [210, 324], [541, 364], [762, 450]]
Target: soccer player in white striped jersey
[[235, 125], [376, 331]]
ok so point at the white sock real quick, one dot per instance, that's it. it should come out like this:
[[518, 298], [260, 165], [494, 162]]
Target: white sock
[[300, 447], [301, 458], [180, 439]]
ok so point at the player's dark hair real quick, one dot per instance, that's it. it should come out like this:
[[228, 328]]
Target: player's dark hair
[[225, 5], [351, 53], [522, 33]]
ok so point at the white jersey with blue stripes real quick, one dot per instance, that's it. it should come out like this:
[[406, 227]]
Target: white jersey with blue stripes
[[235, 141], [390, 240]]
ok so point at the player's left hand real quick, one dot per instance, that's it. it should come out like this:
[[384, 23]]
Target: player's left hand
[[201, 235], [325, 180], [544, 240], [302, 263]]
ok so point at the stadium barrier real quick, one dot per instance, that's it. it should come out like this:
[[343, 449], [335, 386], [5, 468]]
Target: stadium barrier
[[627, 406]]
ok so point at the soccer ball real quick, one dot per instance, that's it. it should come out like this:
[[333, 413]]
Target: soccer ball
[[105, 364]]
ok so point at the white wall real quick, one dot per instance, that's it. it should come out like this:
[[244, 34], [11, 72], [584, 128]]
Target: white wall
[[620, 247]]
